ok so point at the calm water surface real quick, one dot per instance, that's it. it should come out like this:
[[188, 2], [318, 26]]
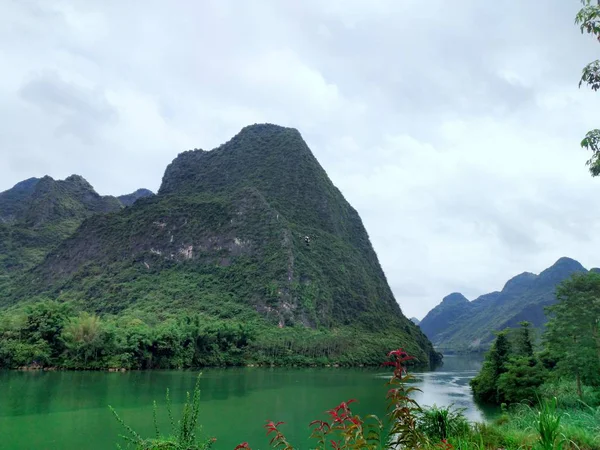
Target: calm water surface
[[69, 410]]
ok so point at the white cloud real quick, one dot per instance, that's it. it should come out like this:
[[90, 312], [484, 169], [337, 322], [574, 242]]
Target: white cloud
[[452, 128]]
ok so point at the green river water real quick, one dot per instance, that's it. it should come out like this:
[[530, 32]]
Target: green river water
[[69, 410]]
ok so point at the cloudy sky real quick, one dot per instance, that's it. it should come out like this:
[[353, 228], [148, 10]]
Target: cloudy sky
[[452, 127]]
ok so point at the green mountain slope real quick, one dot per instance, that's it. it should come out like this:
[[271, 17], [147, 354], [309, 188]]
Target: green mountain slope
[[37, 214], [459, 324], [251, 231]]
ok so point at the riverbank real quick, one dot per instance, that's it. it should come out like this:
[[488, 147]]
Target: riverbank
[[559, 420]]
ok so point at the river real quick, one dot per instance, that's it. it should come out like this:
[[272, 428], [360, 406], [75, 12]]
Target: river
[[69, 410]]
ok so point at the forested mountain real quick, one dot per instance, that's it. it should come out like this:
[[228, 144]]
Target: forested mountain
[[252, 231], [39, 213], [457, 323]]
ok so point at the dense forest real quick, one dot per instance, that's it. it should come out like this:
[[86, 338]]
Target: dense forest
[[53, 334]]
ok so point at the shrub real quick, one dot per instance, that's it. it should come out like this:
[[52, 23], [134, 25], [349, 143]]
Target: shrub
[[439, 423]]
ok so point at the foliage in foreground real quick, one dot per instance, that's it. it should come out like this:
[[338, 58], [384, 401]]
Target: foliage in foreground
[[410, 426], [588, 19]]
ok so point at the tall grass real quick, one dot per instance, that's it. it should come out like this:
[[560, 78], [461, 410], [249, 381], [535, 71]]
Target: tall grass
[[551, 427], [439, 423], [183, 432], [547, 425]]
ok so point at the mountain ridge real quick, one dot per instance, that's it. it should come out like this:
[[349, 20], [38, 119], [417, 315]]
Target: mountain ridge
[[470, 325], [37, 214]]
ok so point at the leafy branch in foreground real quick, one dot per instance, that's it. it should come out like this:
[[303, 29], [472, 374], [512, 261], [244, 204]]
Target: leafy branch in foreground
[[183, 432], [588, 19]]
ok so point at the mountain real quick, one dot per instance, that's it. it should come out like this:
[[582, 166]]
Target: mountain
[[130, 199], [252, 231], [39, 213], [14, 201], [457, 323], [415, 320]]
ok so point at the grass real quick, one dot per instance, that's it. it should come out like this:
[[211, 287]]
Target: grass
[[550, 427], [183, 434]]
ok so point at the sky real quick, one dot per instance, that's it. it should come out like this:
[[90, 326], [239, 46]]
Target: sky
[[452, 127]]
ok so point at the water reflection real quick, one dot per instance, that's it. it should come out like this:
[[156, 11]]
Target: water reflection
[[449, 384]]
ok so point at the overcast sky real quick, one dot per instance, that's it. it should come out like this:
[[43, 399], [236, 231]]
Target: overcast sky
[[452, 126]]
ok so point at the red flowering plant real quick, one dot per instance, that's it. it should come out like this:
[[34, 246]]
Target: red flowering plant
[[348, 431], [278, 440], [402, 408]]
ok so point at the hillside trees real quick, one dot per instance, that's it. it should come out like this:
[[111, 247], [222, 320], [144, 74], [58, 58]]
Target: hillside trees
[[511, 373], [573, 332]]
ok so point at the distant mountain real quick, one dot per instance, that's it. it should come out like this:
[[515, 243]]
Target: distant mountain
[[415, 320], [457, 323], [130, 199], [39, 213], [15, 201], [253, 230]]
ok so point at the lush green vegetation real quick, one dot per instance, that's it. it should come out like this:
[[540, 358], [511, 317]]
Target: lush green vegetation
[[566, 369], [512, 372], [460, 325], [52, 334]]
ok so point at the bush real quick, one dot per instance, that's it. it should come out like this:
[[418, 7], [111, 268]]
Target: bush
[[439, 423]]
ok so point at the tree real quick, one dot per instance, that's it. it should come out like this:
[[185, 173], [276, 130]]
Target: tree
[[44, 321], [588, 19], [82, 336], [573, 331], [485, 384], [524, 342], [520, 381]]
